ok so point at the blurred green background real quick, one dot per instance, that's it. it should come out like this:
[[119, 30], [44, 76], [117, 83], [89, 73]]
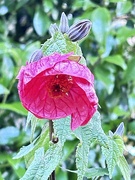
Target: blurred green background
[[110, 53]]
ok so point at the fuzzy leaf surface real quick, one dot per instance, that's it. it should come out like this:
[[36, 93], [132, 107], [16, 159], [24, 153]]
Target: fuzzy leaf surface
[[123, 165], [44, 163], [112, 154], [62, 44], [43, 141], [87, 134], [58, 43], [96, 172], [82, 159], [25, 150], [62, 128]]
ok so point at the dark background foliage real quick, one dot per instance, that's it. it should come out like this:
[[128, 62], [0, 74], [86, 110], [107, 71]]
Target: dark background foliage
[[110, 53]]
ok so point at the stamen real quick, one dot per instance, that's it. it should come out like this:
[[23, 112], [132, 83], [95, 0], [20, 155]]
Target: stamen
[[60, 85]]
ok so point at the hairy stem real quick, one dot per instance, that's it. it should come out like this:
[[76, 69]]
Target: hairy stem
[[51, 131]]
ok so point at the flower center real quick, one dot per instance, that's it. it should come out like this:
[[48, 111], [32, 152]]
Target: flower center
[[60, 85]]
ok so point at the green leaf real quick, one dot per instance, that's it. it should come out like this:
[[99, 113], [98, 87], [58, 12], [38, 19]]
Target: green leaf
[[16, 54], [129, 74], [96, 131], [52, 159], [21, 4], [4, 47], [59, 43], [8, 134], [109, 43], [120, 143], [82, 159], [120, 112], [115, 1], [62, 128], [40, 22], [123, 8], [61, 175], [106, 77], [48, 5], [31, 118], [36, 166], [92, 131], [3, 90], [85, 4], [43, 164], [17, 166], [16, 107], [25, 150], [30, 48], [87, 134], [69, 147], [117, 60], [112, 154], [1, 178], [114, 151], [100, 23], [7, 70], [83, 134], [43, 141], [131, 101], [96, 172], [124, 33], [124, 167]]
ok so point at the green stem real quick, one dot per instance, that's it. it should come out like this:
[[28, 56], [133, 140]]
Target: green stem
[[10, 87], [51, 131]]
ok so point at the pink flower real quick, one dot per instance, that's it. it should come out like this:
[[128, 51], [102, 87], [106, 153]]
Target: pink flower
[[55, 87]]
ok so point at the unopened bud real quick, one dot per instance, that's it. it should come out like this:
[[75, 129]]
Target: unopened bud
[[79, 30], [53, 29], [111, 134], [120, 129], [63, 27], [37, 55]]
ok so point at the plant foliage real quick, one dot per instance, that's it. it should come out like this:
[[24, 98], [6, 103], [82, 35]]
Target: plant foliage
[[91, 151]]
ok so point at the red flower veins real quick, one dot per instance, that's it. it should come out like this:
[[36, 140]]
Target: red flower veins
[[54, 87]]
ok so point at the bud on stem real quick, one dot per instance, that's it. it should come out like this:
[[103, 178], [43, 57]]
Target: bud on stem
[[75, 32], [63, 27], [37, 55], [79, 30], [53, 29]]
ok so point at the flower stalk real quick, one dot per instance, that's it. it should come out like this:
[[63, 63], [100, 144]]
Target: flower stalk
[[51, 131]]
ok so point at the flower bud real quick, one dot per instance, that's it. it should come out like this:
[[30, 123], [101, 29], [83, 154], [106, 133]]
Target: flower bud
[[63, 27], [79, 30], [53, 29], [37, 55], [120, 129]]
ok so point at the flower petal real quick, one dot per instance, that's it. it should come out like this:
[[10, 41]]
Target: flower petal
[[85, 108], [36, 99], [71, 68], [33, 69], [78, 99]]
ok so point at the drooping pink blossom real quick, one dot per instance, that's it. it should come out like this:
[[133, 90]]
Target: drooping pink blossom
[[55, 87]]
